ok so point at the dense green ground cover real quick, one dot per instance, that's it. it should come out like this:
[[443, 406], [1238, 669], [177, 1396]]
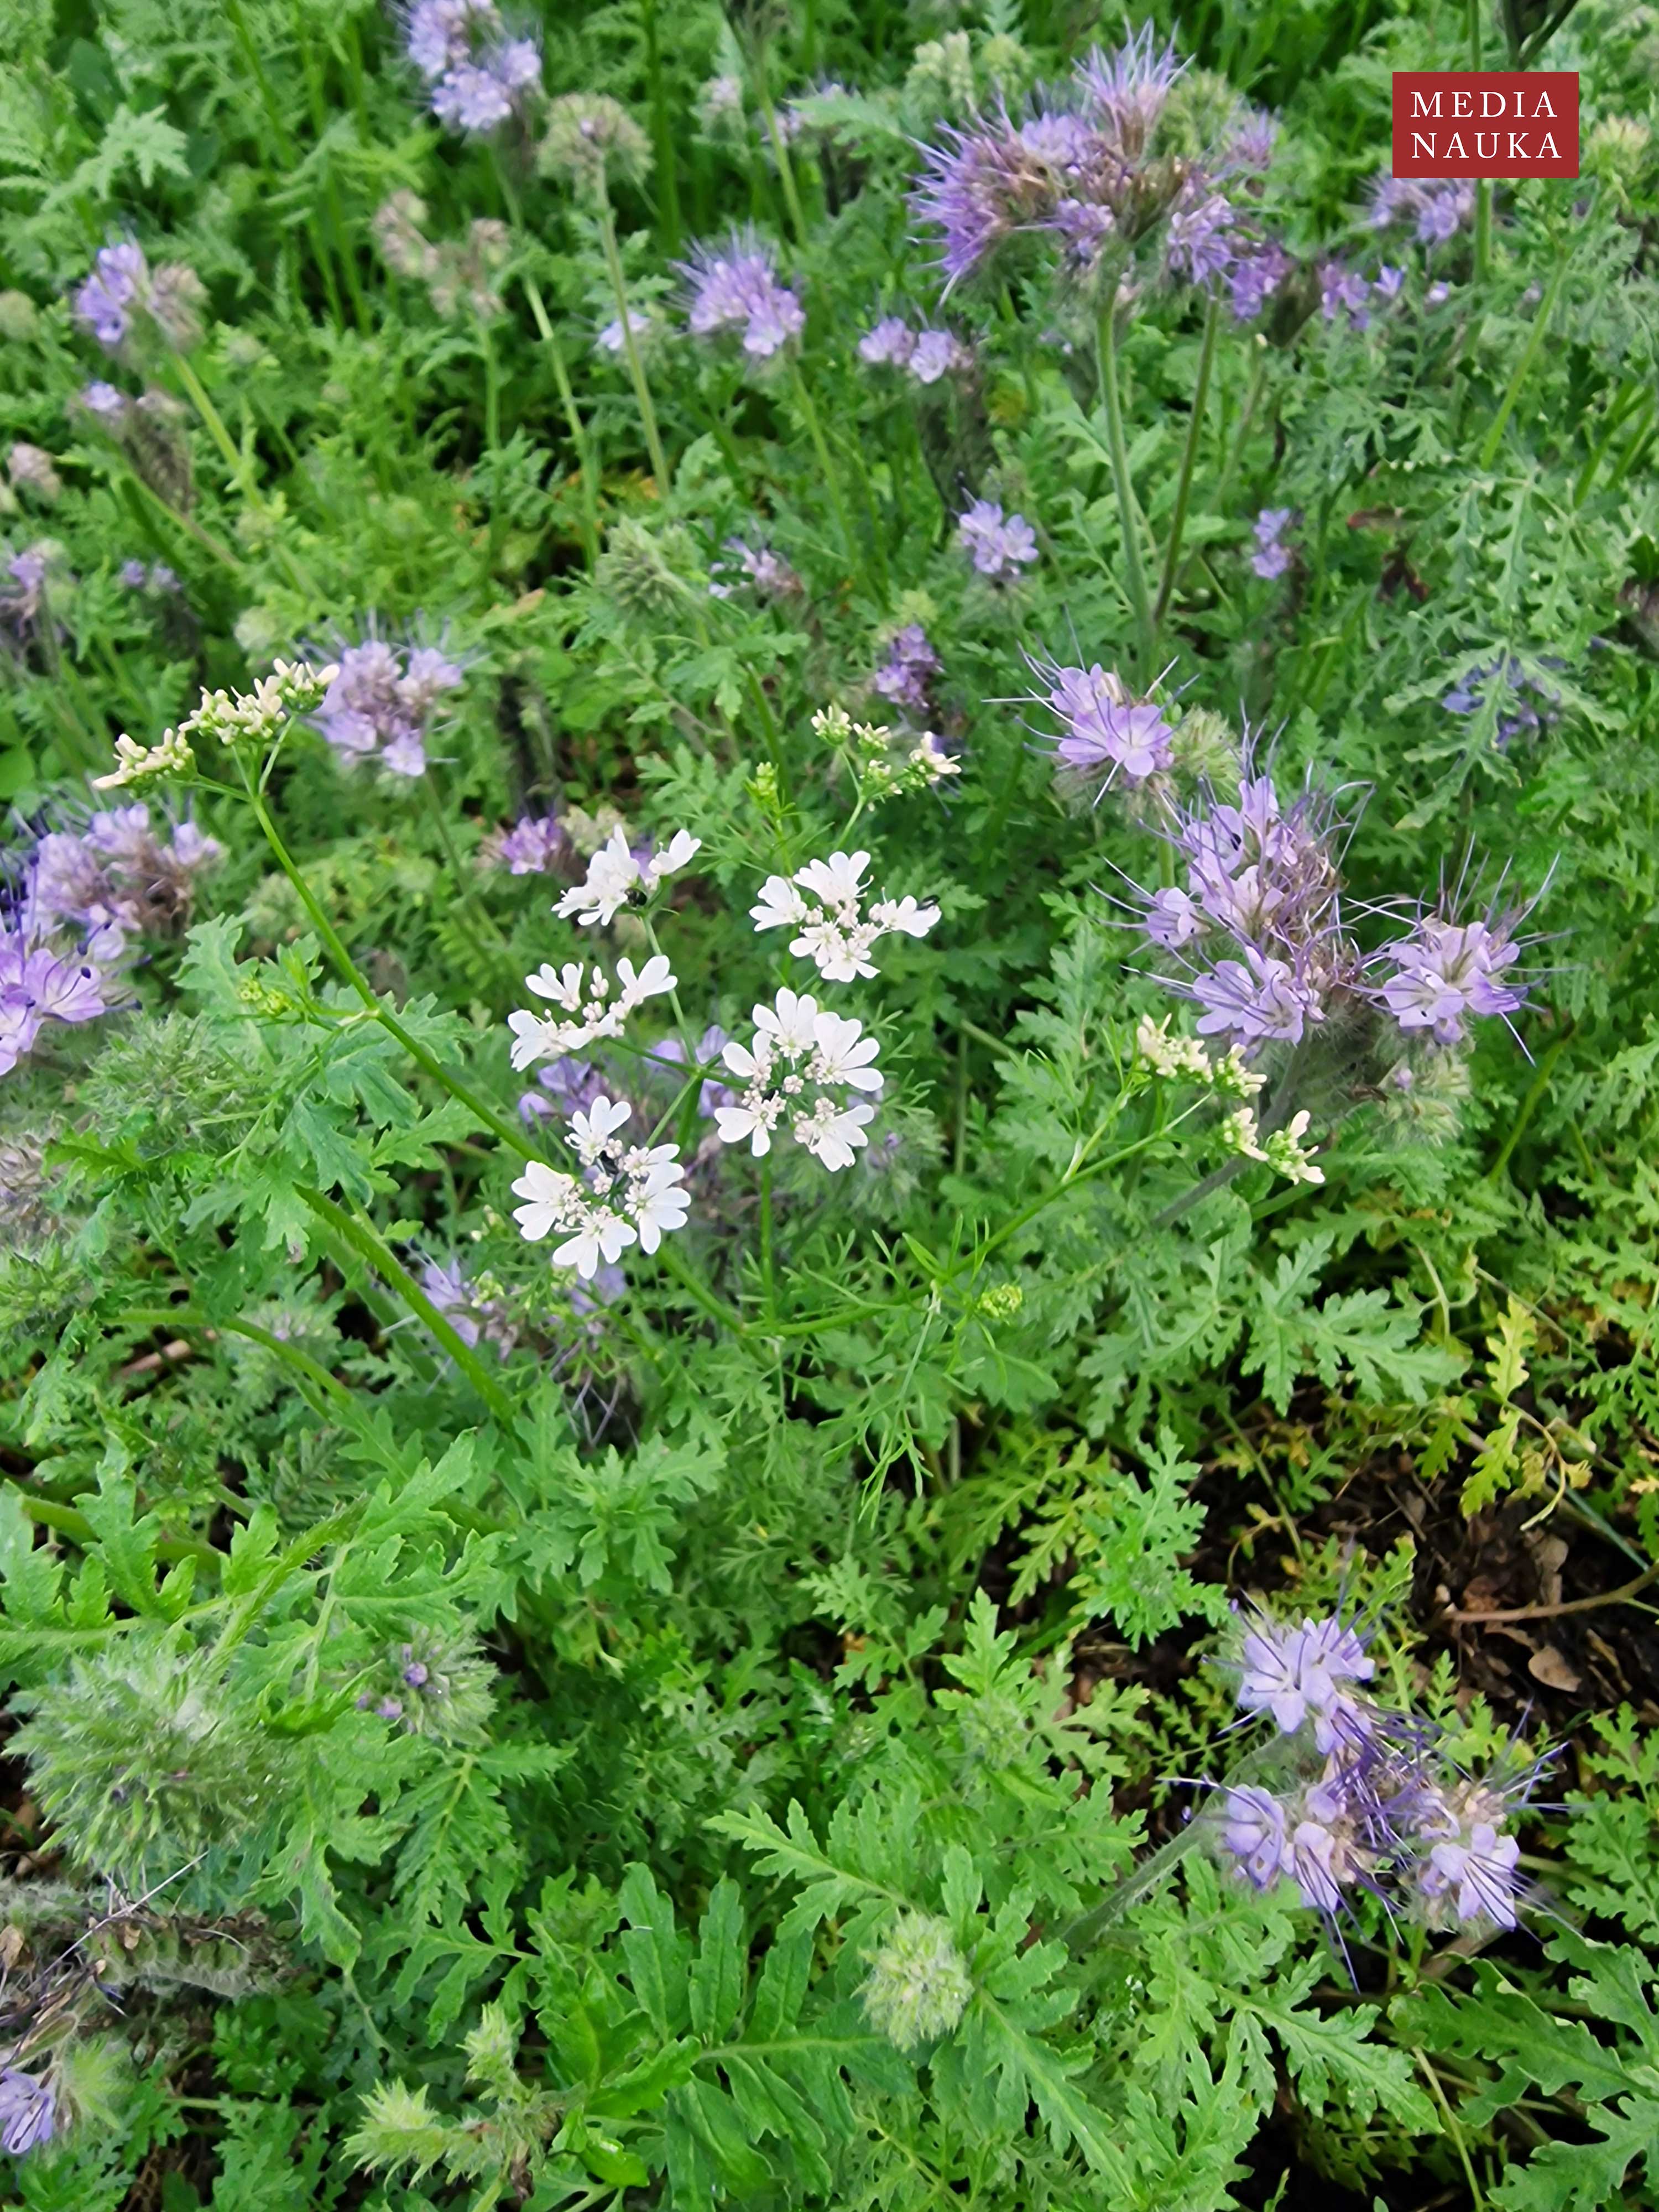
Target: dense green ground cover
[[728, 1714]]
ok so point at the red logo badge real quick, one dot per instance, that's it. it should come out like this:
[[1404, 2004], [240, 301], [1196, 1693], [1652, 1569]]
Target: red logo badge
[[1485, 123]]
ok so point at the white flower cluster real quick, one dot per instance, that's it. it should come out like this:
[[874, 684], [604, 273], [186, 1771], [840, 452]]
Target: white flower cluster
[[1282, 1151], [235, 718], [882, 766], [615, 877], [1186, 1059], [834, 934], [625, 1195], [594, 1013], [800, 1065], [136, 763]]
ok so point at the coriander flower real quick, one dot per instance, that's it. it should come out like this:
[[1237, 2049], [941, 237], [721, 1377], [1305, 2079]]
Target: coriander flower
[[594, 1013], [833, 932], [616, 876], [800, 1057], [623, 1195]]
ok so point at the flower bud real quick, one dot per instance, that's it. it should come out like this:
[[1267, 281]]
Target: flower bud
[[919, 1984]]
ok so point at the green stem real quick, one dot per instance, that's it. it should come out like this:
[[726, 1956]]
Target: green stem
[[1134, 574], [780, 150], [1188, 457], [488, 1117], [827, 467], [1523, 367], [630, 344], [359, 1232], [577, 429], [769, 1286]]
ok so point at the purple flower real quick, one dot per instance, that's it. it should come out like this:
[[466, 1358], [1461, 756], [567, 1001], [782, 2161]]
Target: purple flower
[[132, 576], [1445, 971], [1343, 291], [1293, 1671], [1199, 247], [712, 1094], [1272, 557], [977, 187], [1437, 208], [119, 281], [889, 343], [382, 702], [1483, 1871], [1255, 1000], [571, 1086], [1128, 89], [1255, 1835], [473, 1314], [27, 2112], [735, 288], [1107, 730], [936, 353], [997, 547], [766, 573], [104, 401], [534, 846], [1389, 281], [1250, 141], [1255, 277], [1317, 1863], [903, 677], [37, 985]]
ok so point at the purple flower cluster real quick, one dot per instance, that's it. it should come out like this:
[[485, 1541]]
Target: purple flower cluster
[[1082, 167], [1381, 1812], [478, 77], [114, 878], [570, 1085], [122, 285], [1436, 208], [1258, 929], [383, 702], [1107, 732], [927, 355], [734, 286], [1262, 881], [38, 984], [1271, 556], [998, 547], [904, 677]]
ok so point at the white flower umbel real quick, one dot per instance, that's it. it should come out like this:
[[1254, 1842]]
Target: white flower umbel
[[824, 902], [625, 1193], [884, 762], [593, 1012], [240, 717], [615, 877], [1282, 1151], [1184, 1059], [797, 1071]]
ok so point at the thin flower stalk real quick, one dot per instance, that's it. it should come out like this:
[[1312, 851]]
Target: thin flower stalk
[[1189, 458], [607, 223], [1134, 574]]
